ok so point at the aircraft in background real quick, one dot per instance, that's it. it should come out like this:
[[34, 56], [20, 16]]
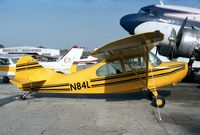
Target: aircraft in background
[[64, 65], [88, 60], [180, 26], [124, 67], [7, 66]]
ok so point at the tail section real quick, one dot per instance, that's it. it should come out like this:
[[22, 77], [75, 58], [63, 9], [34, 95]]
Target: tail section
[[29, 73], [74, 54]]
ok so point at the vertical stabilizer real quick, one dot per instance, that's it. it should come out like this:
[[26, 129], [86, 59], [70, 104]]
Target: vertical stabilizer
[[74, 54]]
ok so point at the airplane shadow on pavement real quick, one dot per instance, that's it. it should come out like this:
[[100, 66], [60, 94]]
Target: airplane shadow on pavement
[[108, 97], [7, 100]]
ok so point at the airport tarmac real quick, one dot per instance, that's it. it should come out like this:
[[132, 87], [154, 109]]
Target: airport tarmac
[[127, 114]]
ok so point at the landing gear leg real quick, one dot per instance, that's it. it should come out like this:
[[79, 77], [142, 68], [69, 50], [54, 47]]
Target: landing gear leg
[[191, 61], [157, 100], [150, 95], [24, 96]]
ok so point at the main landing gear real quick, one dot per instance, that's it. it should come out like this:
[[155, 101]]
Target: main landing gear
[[157, 100]]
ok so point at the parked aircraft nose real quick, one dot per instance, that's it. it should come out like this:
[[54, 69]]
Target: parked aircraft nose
[[130, 22]]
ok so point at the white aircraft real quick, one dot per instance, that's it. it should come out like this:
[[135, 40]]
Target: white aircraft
[[64, 65], [180, 26], [7, 66], [88, 60]]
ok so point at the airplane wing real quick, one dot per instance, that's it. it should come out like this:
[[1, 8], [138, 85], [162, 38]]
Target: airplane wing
[[129, 46]]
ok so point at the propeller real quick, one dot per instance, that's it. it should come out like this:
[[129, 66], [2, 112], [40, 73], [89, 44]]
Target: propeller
[[172, 43], [180, 32], [174, 40]]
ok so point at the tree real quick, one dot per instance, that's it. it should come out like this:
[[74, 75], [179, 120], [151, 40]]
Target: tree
[[1, 46], [41, 47]]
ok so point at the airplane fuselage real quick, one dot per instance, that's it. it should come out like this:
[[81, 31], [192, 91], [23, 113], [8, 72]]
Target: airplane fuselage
[[167, 14], [94, 80]]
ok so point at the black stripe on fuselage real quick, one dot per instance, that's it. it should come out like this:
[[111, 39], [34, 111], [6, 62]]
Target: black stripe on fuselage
[[49, 86], [67, 89], [37, 89], [137, 79], [29, 67], [117, 82], [117, 76], [132, 73], [26, 64]]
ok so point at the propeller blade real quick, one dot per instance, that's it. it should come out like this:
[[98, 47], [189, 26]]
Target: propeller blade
[[172, 44], [156, 51], [174, 40], [172, 37], [178, 37]]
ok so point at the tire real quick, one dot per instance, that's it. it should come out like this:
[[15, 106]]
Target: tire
[[6, 79], [158, 101]]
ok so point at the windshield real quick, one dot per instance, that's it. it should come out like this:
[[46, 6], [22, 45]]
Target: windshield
[[149, 11], [154, 59]]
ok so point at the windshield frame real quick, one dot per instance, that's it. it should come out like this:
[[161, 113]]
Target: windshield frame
[[154, 59]]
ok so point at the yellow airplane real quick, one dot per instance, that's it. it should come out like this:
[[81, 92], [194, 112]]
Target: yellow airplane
[[124, 67]]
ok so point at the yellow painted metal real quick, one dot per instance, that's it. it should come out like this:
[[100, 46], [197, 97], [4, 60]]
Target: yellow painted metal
[[73, 68], [159, 102], [174, 72]]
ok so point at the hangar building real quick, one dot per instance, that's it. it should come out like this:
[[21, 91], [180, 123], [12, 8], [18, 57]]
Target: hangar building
[[30, 50]]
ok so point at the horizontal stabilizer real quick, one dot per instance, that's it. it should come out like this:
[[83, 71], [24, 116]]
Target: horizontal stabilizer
[[25, 83]]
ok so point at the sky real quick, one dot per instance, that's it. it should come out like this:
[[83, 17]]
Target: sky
[[60, 24]]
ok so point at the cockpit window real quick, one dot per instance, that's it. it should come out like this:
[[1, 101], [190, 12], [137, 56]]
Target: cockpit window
[[149, 11], [111, 68], [145, 10], [154, 59], [4, 61], [134, 64], [142, 11]]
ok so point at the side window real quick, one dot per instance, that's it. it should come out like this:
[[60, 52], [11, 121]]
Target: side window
[[111, 68], [4, 61], [135, 63]]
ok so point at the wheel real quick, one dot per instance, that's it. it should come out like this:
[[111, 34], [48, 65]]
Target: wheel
[[6, 79], [158, 101]]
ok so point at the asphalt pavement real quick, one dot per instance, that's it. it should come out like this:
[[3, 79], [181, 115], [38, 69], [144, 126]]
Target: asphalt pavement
[[121, 114]]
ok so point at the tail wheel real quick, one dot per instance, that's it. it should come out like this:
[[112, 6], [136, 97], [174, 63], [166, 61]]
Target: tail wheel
[[158, 101]]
